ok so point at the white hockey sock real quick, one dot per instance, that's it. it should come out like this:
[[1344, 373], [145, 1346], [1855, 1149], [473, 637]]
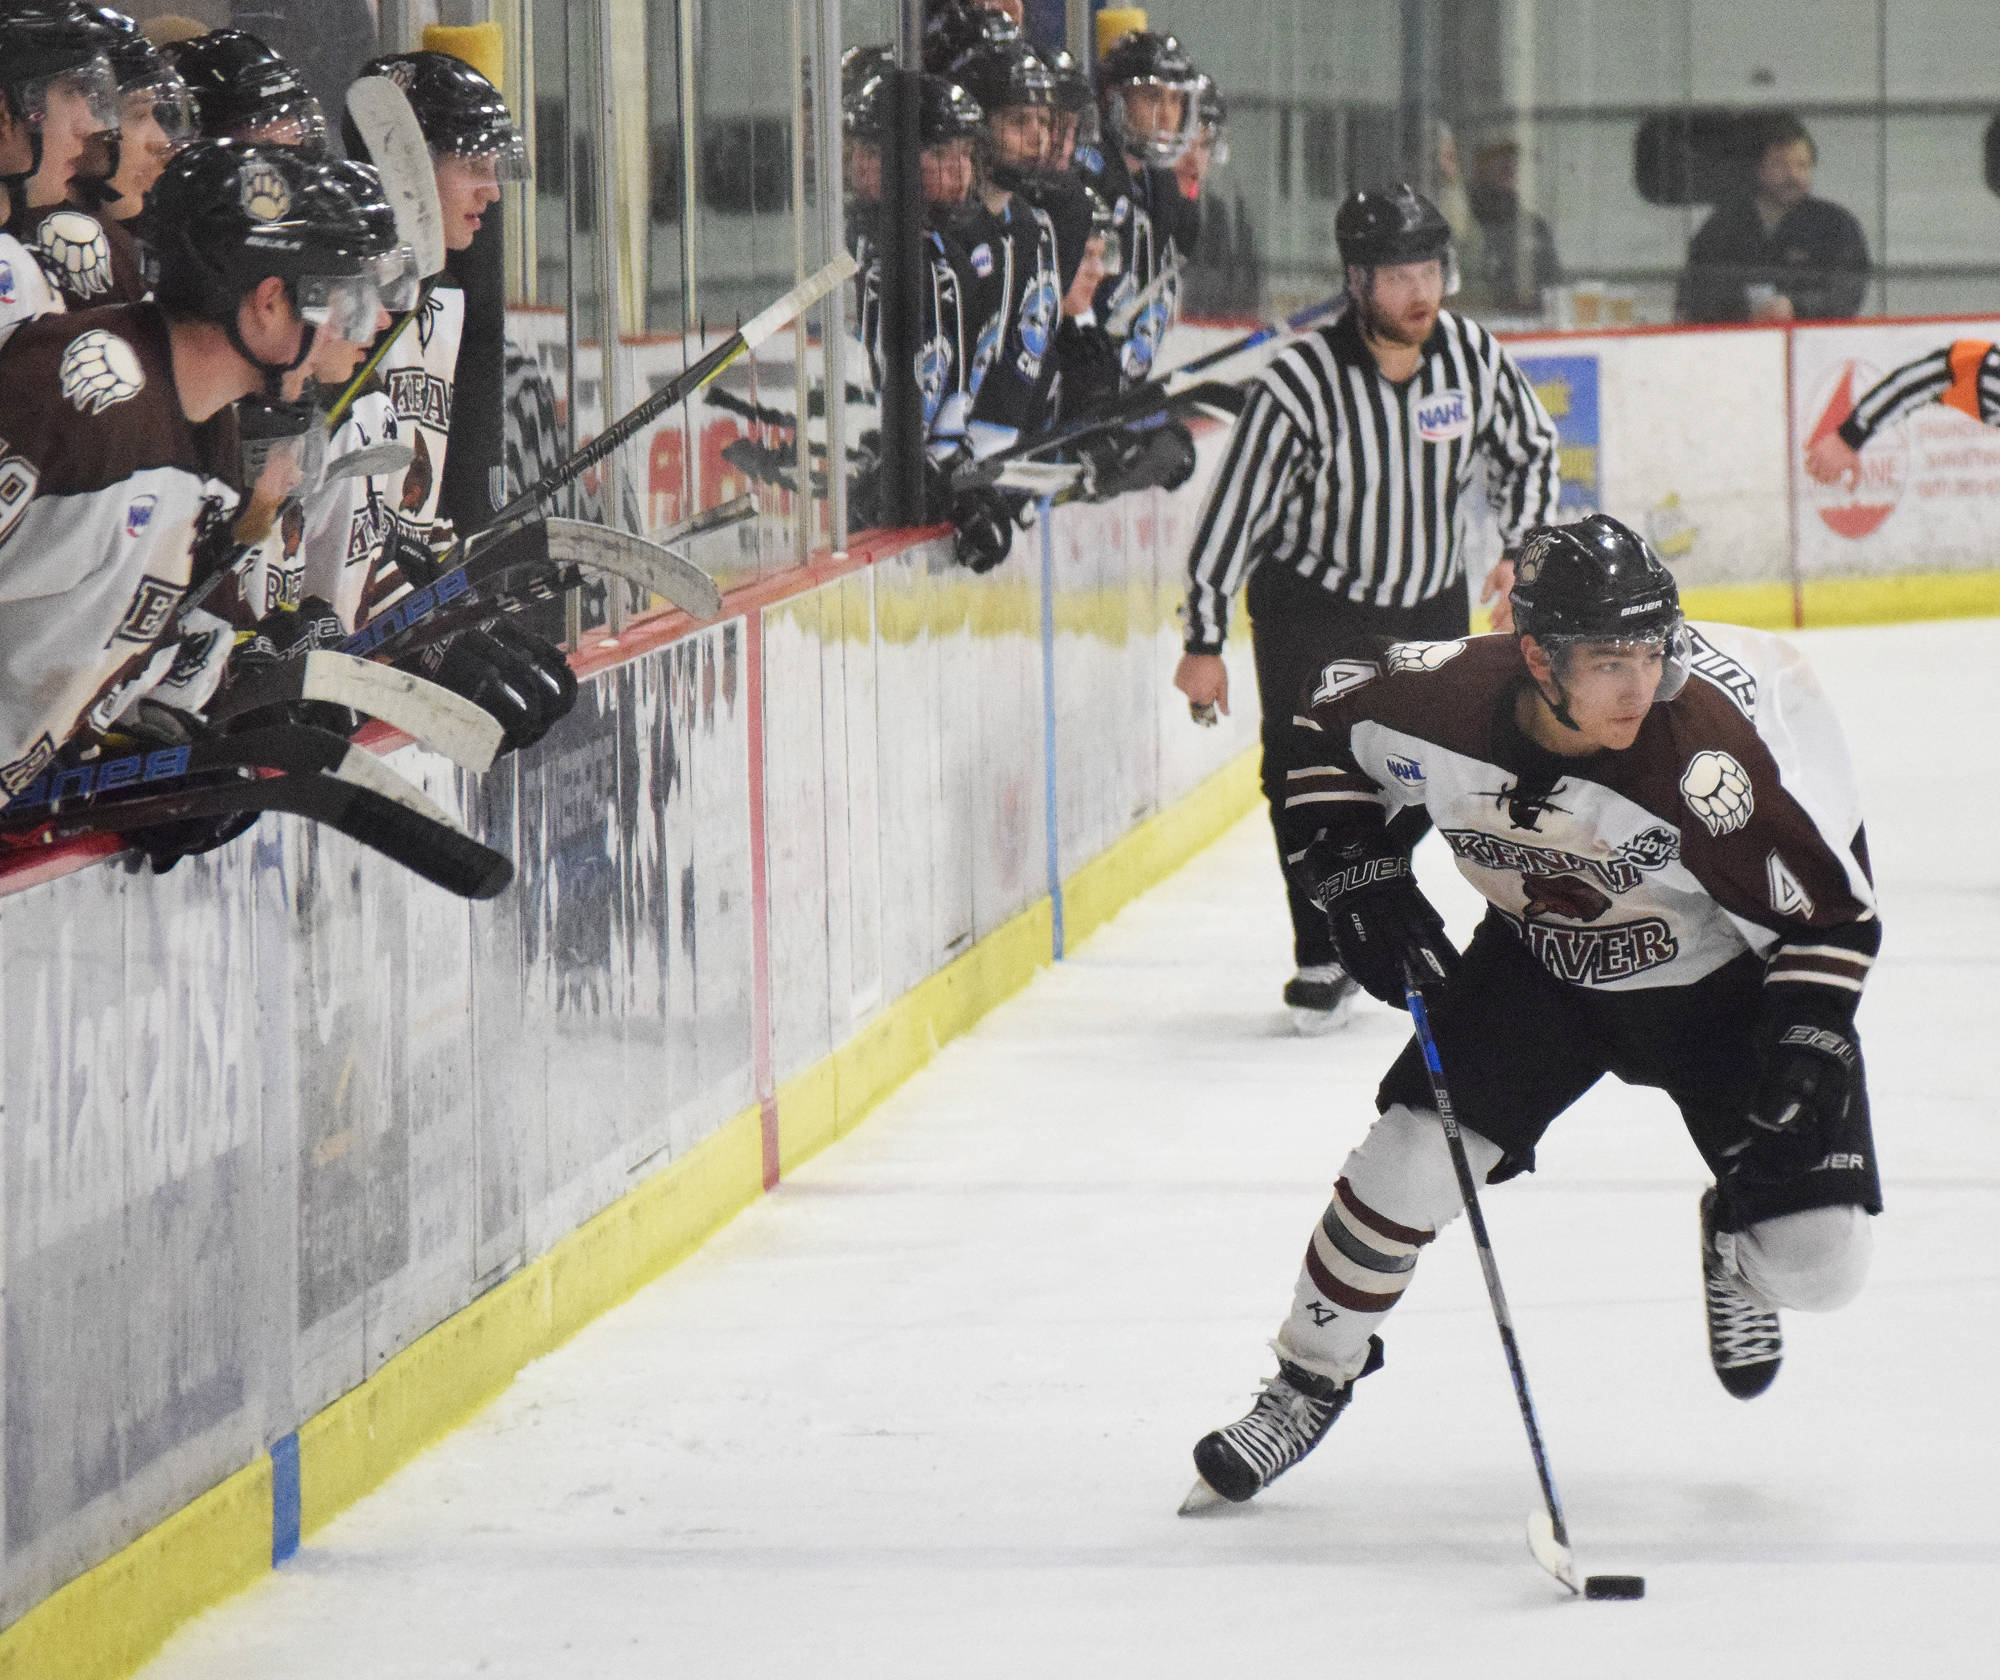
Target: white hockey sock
[[1397, 1190]]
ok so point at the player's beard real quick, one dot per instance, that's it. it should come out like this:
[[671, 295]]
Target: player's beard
[[1387, 329]]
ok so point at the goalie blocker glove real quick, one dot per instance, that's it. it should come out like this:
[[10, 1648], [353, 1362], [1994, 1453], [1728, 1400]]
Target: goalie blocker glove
[[1381, 922]]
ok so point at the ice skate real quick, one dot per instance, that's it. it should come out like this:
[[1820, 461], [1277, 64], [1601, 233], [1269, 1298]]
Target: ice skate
[[1319, 998], [1296, 1408], [1745, 1343]]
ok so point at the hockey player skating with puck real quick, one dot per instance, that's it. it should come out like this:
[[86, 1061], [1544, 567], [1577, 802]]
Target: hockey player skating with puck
[[1664, 823]]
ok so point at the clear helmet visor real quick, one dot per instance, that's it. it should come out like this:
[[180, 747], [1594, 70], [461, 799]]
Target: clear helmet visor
[[1154, 120], [1113, 256], [299, 124], [347, 307], [495, 157], [396, 279], [1672, 645], [92, 87], [283, 449], [166, 100]]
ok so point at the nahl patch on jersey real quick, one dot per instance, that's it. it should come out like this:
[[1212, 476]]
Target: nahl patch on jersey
[[1717, 790], [98, 369], [75, 247]]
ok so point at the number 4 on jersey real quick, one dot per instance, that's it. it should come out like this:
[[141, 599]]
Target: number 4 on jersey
[[1343, 676]]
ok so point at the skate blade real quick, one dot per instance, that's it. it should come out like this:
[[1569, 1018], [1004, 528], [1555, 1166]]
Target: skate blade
[[1550, 1552], [1316, 1023], [1201, 1497]]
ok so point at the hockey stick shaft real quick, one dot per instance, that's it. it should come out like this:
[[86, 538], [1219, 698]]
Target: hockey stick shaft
[[1489, 1267], [745, 339], [1262, 336]]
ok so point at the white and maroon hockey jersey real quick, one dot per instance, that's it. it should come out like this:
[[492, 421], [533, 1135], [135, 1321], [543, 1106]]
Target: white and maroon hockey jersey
[[1731, 824], [25, 292], [104, 491], [417, 374]]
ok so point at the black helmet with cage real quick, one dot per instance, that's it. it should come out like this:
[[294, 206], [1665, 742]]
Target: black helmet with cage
[[49, 47], [1009, 77], [232, 214], [1145, 59], [243, 90], [1382, 227], [1598, 582], [461, 113]]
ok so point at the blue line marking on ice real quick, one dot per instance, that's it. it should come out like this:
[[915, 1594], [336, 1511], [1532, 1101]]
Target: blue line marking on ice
[[284, 1498]]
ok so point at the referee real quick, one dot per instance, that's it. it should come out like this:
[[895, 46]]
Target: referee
[[1343, 500]]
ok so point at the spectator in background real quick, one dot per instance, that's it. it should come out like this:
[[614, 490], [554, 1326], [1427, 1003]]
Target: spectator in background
[[1452, 198], [1777, 253], [1519, 247]]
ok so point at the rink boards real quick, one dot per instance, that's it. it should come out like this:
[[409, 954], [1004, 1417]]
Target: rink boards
[[303, 1159]]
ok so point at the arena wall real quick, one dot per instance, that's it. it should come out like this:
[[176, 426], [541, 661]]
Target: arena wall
[[303, 1158]]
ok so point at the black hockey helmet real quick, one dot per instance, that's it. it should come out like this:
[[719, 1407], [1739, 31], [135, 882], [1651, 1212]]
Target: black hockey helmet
[[1598, 581], [945, 111], [1145, 58], [243, 90], [861, 65], [46, 44], [142, 68], [231, 214], [461, 113], [1000, 74], [1379, 227], [954, 27], [1072, 86]]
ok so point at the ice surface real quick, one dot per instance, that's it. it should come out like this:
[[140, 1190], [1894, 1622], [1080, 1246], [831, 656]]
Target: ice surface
[[926, 1410]]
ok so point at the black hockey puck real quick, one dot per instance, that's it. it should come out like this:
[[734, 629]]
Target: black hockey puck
[[1614, 1586]]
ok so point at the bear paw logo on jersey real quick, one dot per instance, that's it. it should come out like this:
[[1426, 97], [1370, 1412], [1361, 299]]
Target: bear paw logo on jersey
[[1443, 418], [1717, 790], [262, 192], [1421, 656], [77, 253], [99, 369]]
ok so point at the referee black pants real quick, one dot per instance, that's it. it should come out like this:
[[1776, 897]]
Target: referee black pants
[[1299, 627]]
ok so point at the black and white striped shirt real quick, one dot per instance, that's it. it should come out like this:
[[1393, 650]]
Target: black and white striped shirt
[[1964, 376], [1359, 484]]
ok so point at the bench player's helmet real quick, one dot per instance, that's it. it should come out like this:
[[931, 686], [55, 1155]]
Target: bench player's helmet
[[142, 69], [1008, 76], [461, 113], [48, 46], [1598, 582], [232, 214], [861, 65], [955, 27], [1381, 227], [243, 90], [1146, 59]]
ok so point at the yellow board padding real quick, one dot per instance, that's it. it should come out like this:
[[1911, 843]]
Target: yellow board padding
[[445, 1376], [1894, 598], [481, 45], [108, 1621]]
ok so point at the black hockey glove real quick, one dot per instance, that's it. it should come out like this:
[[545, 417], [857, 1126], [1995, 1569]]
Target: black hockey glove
[[287, 634], [1380, 919], [165, 844], [520, 678], [1809, 1072]]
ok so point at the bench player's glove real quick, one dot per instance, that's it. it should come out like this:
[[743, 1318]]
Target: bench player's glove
[[521, 678], [1381, 922], [1809, 1070]]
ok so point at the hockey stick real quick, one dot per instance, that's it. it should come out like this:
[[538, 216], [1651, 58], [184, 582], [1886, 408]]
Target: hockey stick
[[1144, 404], [741, 342], [1548, 1538], [1262, 336], [391, 455], [563, 548], [395, 142], [315, 775], [432, 716]]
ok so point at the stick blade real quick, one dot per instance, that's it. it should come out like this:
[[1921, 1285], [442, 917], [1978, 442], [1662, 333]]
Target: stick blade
[[396, 146], [431, 715], [390, 456], [659, 571], [1550, 1552]]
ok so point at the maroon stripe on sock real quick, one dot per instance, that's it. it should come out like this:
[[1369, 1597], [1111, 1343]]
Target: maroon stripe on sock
[[1343, 1295], [1374, 1221]]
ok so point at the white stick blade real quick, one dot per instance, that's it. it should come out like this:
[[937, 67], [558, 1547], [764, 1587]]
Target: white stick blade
[[1550, 1552], [387, 457], [659, 571], [396, 147], [433, 717], [362, 768], [799, 299]]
